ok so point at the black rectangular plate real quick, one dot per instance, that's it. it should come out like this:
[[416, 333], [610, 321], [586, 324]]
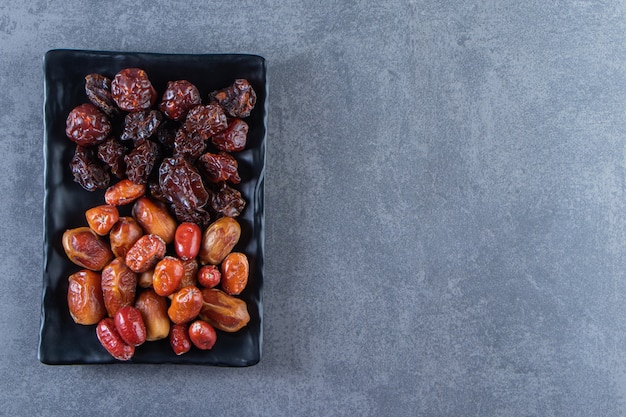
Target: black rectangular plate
[[61, 340]]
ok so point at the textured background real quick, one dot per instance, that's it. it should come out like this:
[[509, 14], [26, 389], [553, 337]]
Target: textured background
[[445, 202]]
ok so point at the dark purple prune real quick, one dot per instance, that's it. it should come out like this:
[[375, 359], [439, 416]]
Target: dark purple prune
[[238, 100], [86, 125], [227, 201], [98, 90], [179, 97], [112, 153], [234, 138], [200, 217], [187, 144], [132, 90], [182, 184], [219, 167], [140, 161], [87, 170], [166, 134], [206, 121], [141, 125]]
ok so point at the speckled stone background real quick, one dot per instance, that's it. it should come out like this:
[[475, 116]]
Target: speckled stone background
[[445, 208]]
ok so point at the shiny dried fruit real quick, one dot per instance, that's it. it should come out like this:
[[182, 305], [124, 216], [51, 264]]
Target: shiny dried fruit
[[187, 240], [154, 217], [85, 248], [123, 235], [235, 271], [227, 201], [87, 170], [206, 121], [86, 125], [112, 153], [140, 125], [234, 138], [209, 276], [145, 253], [191, 270], [98, 90], [119, 286], [153, 309], [218, 240], [219, 167], [238, 100], [200, 216], [223, 311], [202, 335], [185, 305], [140, 161], [129, 324], [132, 90], [112, 341], [124, 192], [102, 218], [179, 339], [168, 273], [84, 297], [181, 184], [188, 145], [179, 97]]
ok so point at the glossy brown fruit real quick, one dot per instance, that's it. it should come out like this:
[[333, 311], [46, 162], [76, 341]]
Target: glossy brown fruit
[[235, 271], [112, 341], [132, 90], [185, 306], [187, 240], [86, 125], [119, 286], [154, 217], [124, 192], [85, 248], [209, 276], [202, 335], [191, 270], [102, 218], [218, 240], [84, 297], [153, 310], [145, 253], [168, 273], [223, 311], [123, 235], [179, 339], [129, 324]]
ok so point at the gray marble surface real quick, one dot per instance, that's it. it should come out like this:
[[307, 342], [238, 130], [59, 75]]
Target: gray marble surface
[[445, 208]]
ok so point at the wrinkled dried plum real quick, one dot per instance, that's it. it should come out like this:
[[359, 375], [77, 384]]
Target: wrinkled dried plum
[[182, 184], [219, 167], [238, 100], [98, 90], [206, 121], [227, 201], [190, 145], [86, 125], [87, 170], [166, 134], [141, 125], [132, 90], [112, 153], [140, 161], [234, 138], [199, 216], [179, 97]]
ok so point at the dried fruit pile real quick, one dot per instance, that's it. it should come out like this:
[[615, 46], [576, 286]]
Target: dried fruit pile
[[168, 269]]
